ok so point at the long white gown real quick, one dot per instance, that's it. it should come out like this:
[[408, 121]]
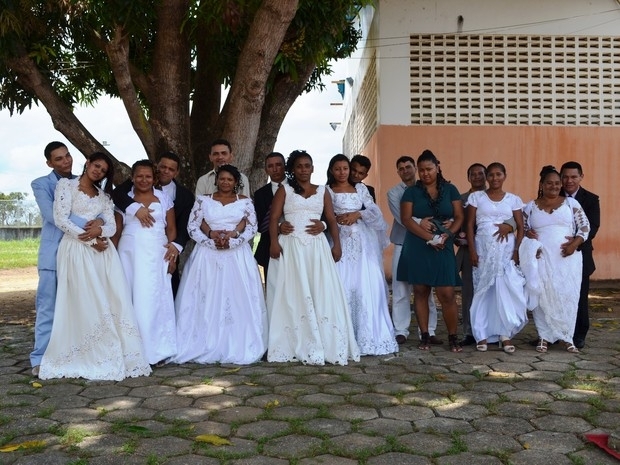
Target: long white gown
[[142, 251], [221, 313], [499, 305], [553, 282], [94, 334], [361, 271], [309, 317]]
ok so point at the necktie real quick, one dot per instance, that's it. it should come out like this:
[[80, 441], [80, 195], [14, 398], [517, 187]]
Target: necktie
[[264, 225]]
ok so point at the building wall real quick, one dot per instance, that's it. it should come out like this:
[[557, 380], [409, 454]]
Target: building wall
[[523, 150]]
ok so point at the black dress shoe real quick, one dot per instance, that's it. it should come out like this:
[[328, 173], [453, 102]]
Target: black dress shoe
[[401, 339], [468, 341], [579, 343]]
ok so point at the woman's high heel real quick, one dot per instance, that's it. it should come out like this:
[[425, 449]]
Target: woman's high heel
[[508, 348]]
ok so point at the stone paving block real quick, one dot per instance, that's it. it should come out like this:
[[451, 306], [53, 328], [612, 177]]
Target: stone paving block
[[132, 414], [104, 391], [321, 399], [549, 441], [426, 399], [46, 458], [560, 424], [116, 459], [529, 397], [292, 446], [182, 381], [511, 367], [469, 368], [447, 360], [240, 448], [443, 389], [344, 388], [503, 425], [594, 455], [103, 444], [190, 414], [386, 427], [147, 392], [484, 442], [514, 409], [496, 386], [117, 403], [539, 457], [327, 426], [61, 402], [426, 443], [20, 400], [426, 369], [237, 414], [59, 390], [475, 397], [212, 427], [467, 457], [547, 365], [275, 379], [272, 401], [363, 379], [575, 394], [443, 425], [71, 415], [167, 402], [219, 402], [171, 370], [608, 420], [353, 412], [164, 446], [458, 411], [398, 458], [262, 429], [195, 460], [296, 389], [393, 388], [353, 444], [571, 409], [246, 392], [595, 365], [534, 385], [200, 390], [459, 378], [136, 382], [407, 412], [551, 376], [27, 426], [257, 461], [376, 400], [288, 413], [326, 460], [229, 380], [18, 412], [384, 370]]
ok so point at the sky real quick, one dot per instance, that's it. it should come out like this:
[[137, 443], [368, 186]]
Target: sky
[[25, 136]]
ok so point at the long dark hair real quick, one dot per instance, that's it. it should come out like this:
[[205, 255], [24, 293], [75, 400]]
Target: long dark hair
[[290, 166], [546, 171], [336, 158], [105, 183], [427, 155]]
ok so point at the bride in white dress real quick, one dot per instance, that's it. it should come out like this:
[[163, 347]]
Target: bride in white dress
[[221, 314], [143, 252], [309, 318], [552, 264], [94, 334], [363, 236]]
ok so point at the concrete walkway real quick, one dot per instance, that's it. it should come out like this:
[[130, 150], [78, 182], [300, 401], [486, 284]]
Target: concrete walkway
[[414, 408]]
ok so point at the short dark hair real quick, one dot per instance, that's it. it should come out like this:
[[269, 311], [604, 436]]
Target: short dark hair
[[572, 165], [221, 142], [49, 148], [476, 165], [405, 159], [362, 161], [146, 163], [170, 156], [275, 155]]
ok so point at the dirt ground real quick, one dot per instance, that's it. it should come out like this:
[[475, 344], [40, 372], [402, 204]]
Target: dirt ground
[[17, 291]]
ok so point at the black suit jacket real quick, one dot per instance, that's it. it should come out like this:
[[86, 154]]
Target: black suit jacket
[[182, 207], [262, 201], [592, 208]]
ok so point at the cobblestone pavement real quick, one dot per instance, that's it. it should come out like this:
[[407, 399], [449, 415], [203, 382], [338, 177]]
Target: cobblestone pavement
[[414, 408]]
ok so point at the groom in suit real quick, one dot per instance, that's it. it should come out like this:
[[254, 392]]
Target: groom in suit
[[274, 167], [60, 160], [167, 170], [572, 175]]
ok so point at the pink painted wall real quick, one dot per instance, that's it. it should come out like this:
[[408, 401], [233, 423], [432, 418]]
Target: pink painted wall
[[523, 150]]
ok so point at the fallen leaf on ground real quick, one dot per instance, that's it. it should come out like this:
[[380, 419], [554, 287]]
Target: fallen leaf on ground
[[22, 445], [213, 439]]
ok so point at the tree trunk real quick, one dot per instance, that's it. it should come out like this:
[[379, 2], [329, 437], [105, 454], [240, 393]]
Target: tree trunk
[[247, 95], [278, 102]]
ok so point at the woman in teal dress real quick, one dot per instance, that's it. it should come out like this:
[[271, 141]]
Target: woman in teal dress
[[432, 212]]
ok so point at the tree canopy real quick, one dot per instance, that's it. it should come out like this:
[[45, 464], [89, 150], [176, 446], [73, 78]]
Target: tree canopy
[[168, 60]]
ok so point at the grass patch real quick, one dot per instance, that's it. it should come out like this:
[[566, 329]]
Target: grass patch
[[18, 254], [73, 436], [458, 444]]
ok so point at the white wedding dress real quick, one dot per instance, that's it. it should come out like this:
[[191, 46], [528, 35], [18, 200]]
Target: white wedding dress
[[142, 251], [361, 271], [309, 318], [221, 313], [94, 334], [553, 282], [499, 305]]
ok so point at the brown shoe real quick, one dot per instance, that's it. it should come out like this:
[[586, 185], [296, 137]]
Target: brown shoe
[[401, 339], [435, 341]]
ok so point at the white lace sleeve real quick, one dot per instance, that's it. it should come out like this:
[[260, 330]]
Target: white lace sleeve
[[193, 225], [580, 220], [372, 216], [109, 226], [251, 226], [63, 199]]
